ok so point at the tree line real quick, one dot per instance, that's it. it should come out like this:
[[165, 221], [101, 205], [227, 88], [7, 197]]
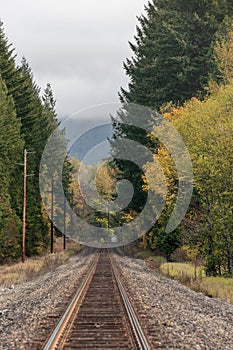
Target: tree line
[[182, 66], [26, 122]]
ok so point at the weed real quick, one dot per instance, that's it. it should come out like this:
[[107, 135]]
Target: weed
[[217, 287]]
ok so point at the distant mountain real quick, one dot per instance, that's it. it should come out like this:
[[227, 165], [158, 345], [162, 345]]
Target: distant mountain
[[88, 143]]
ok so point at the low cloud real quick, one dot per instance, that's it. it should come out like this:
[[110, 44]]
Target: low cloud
[[78, 47]]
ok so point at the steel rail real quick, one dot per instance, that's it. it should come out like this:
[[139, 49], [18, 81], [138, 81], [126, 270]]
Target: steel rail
[[138, 332], [56, 334], [71, 311]]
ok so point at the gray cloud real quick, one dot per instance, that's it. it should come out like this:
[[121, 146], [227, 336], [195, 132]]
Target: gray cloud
[[77, 46]]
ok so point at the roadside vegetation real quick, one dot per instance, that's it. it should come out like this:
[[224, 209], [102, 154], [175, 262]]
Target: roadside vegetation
[[190, 274], [16, 273], [196, 279]]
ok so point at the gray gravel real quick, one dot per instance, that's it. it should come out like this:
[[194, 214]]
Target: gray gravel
[[188, 320], [24, 306]]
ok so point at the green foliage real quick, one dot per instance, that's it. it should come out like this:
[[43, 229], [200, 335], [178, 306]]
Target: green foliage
[[173, 60], [207, 129], [194, 277], [173, 51], [33, 127], [26, 121], [9, 233], [127, 127], [10, 152], [165, 243], [178, 48]]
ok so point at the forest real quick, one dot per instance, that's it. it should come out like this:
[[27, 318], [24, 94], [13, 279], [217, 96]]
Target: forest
[[181, 67], [27, 120]]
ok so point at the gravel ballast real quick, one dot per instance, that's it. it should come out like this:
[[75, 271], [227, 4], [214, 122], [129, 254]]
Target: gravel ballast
[[186, 319], [23, 307]]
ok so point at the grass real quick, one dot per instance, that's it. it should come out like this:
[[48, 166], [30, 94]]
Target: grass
[[185, 273], [16, 273], [19, 272], [216, 287], [182, 270]]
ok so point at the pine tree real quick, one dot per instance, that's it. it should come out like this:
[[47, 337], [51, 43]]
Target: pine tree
[[7, 62], [32, 130], [49, 112], [49, 120], [11, 146], [18, 90], [173, 59], [173, 54], [37, 120]]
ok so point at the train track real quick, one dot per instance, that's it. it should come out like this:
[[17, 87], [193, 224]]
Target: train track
[[100, 315]]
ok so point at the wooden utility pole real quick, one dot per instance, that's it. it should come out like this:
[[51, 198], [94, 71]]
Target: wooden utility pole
[[72, 207], [52, 209], [64, 233], [24, 204], [108, 221]]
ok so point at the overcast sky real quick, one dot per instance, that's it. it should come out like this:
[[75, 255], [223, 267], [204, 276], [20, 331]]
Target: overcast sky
[[77, 46]]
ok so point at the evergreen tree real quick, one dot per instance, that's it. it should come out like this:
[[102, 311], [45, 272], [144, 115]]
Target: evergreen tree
[[7, 62], [124, 128], [33, 130], [173, 59], [11, 146], [173, 54], [36, 119], [50, 124], [49, 112], [19, 89]]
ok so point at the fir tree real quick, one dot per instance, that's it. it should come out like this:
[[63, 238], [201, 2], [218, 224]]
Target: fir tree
[[173, 53], [36, 119], [11, 146], [173, 58]]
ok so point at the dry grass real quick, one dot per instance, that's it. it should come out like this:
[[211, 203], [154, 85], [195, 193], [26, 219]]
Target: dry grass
[[19, 272], [11, 274], [217, 287], [71, 246]]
